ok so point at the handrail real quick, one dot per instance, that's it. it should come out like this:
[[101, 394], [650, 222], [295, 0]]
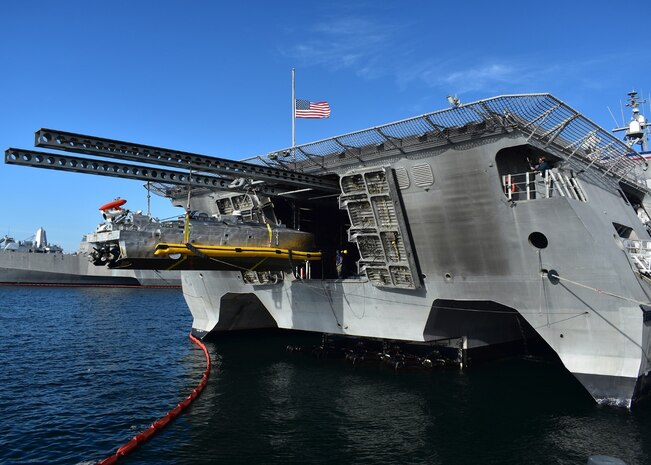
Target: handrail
[[532, 185], [570, 133], [640, 253]]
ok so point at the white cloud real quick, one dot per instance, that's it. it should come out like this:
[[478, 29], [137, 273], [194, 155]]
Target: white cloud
[[480, 78], [373, 50], [343, 43], [370, 50]]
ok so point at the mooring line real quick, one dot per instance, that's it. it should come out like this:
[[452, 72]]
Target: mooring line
[[597, 290], [140, 438]]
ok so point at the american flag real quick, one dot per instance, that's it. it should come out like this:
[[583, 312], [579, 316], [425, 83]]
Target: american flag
[[305, 109]]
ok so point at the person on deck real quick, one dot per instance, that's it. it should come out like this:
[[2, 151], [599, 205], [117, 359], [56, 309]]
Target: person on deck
[[541, 167], [339, 262]]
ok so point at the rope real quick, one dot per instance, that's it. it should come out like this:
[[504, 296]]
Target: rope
[[614, 326], [140, 438], [597, 290], [177, 263], [561, 321], [169, 283]]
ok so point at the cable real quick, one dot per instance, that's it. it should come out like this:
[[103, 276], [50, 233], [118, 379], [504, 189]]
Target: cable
[[597, 290]]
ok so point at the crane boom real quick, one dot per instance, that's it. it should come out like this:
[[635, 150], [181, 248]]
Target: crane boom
[[60, 162], [102, 147]]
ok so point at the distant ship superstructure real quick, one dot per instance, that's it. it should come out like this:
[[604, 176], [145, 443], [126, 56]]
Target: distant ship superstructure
[[492, 222], [37, 244], [36, 262]]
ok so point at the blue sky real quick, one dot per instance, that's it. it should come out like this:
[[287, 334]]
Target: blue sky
[[215, 78]]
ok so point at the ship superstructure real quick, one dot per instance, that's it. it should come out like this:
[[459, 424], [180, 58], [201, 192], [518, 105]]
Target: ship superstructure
[[489, 222], [36, 244]]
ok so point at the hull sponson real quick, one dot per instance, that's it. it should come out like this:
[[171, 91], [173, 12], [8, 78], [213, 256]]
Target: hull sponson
[[607, 388], [473, 245]]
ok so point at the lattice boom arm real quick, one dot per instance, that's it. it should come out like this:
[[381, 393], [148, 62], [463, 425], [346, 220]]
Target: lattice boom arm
[[97, 146], [121, 170]]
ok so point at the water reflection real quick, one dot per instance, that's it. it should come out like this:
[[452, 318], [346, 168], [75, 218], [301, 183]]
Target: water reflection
[[84, 374], [280, 408], [383, 420]]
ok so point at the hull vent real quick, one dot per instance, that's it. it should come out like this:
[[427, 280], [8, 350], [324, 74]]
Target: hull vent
[[423, 176], [402, 177]]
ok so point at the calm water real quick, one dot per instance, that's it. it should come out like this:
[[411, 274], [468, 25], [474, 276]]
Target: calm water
[[84, 370]]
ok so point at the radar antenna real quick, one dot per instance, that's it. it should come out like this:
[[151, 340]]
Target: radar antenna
[[638, 127], [454, 101]]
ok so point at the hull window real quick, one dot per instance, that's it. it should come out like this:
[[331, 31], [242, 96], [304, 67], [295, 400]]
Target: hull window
[[538, 240]]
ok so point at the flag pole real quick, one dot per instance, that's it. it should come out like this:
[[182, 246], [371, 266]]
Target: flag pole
[[293, 113]]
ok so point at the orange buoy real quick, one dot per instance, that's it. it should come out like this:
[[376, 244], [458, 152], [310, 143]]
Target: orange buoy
[[117, 203], [146, 434], [175, 412], [161, 422], [109, 460], [128, 447]]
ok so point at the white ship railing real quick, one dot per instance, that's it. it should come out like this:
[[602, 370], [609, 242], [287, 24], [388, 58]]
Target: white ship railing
[[640, 253], [551, 183]]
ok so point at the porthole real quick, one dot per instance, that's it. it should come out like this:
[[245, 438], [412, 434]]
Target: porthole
[[538, 240]]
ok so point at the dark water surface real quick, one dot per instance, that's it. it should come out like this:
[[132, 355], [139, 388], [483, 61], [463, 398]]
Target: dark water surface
[[84, 370]]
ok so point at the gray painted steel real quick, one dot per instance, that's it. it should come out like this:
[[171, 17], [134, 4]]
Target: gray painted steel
[[75, 270], [474, 245], [485, 258]]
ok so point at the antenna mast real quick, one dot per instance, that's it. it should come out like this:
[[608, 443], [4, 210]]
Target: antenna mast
[[637, 129]]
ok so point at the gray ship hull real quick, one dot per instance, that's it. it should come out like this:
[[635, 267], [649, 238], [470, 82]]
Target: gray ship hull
[[491, 268], [21, 268], [451, 231]]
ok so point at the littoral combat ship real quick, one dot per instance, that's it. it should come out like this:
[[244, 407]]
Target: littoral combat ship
[[450, 232]]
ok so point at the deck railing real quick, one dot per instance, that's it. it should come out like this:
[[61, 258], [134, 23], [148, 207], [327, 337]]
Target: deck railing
[[640, 253], [540, 117], [550, 183]]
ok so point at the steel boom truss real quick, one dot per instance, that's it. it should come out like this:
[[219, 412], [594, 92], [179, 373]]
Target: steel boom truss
[[202, 170]]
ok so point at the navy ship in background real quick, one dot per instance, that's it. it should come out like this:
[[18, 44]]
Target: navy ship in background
[[36, 262], [494, 223]]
